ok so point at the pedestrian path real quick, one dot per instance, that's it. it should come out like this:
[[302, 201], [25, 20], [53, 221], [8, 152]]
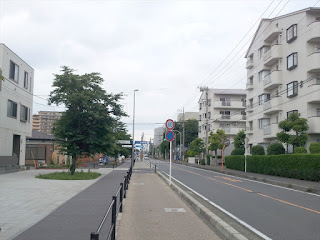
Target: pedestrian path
[[153, 211]]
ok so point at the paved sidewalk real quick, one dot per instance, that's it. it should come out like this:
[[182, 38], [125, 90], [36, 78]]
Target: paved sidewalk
[[144, 215], [293, 183]]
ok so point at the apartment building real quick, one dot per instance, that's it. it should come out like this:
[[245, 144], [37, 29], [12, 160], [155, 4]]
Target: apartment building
[[283, 71], [187, 116], [225, 109], [158, 135], [16, 99], [44, 120]]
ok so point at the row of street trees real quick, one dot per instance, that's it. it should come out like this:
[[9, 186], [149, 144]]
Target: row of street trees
[[91, 123]]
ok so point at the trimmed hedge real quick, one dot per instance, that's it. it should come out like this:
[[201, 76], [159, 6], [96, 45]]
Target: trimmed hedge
[[299, 166], [257, 150], [237, 151], [314, 148], [300, 150], [276, 149]]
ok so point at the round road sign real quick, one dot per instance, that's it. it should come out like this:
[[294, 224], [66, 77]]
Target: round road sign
[[169, 136], [170, 124]]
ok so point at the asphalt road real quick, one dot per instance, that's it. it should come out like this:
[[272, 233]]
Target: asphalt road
[[278, 213]]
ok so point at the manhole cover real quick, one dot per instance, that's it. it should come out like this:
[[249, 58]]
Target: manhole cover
[[174, 210]]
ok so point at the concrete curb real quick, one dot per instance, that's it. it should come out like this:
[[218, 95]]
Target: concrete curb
[[264, 180], [214, 221]]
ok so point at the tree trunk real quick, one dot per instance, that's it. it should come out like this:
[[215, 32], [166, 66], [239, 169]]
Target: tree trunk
[[73, 165]]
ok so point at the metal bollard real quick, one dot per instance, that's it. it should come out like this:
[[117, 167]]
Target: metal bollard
[[114, 217], [94, 236], [121, 196]]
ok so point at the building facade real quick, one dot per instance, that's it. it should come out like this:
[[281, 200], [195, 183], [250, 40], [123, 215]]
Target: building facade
[[187, 116], [225, 109], [16, 99], [44, 120], [158, 136], [283, 66]]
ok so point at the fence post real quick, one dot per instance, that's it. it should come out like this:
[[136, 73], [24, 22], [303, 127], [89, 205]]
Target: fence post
[[94, 236], [155, 168], [121, 196], [114, 217]]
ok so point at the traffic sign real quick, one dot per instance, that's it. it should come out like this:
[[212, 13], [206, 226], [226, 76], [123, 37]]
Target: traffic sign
[[141, 142], [124, 142], [169, 136], [127, 146], [170, 124]]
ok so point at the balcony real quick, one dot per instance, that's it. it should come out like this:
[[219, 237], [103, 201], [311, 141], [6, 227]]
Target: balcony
[[249, 86], [313, 94], [249, 63], [273, 80], [271, 131], [313, 62], [229, 118], [272, 106], [272, 34], [249, 131], [314, 126], [228, 104], [313, 32], [273, 55], [231, 131], [249, 108]]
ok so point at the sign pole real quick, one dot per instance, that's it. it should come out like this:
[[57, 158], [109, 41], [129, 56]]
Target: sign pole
[[170, 162]]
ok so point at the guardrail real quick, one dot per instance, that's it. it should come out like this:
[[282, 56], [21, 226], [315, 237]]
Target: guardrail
[[114, 208]]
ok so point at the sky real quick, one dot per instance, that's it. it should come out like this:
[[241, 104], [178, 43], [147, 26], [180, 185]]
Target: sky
[[165, 49]]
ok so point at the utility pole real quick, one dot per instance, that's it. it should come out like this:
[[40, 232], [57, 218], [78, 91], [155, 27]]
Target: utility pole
[[206, 124], [183, 134]]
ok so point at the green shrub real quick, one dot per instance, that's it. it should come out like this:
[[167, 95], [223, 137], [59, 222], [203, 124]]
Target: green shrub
[[235, 162], [237, 151], [208, 159], [257, 150], [314, 148], [300, 150], [276, 149], [203, 162]]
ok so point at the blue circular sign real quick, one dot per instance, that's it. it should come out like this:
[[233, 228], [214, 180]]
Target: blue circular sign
[[169, 136]]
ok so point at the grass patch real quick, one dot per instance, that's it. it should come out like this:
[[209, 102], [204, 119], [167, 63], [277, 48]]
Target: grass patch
[[68, 176]]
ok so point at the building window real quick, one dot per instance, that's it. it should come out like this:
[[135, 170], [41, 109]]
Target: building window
[[262, 51], [291, 33], [318, 81], [209, 115], [14, 72], [263, 74], [264, 122], [24, 113], [209, 102], [25, 82], [264, 98], [292, 61], [199, 117], [290, 112], [292, 89], [225, 114], [12, 109], [225, 101]]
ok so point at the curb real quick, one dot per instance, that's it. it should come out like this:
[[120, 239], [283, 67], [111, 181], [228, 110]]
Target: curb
[[213, 220]]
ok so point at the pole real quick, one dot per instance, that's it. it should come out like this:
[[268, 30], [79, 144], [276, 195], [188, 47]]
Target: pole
[[134, 105], [245, 153], [170, 162], [183, 135], [206, 122], [180, 146]]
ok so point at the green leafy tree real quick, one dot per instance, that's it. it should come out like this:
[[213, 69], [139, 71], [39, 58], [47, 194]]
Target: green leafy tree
[[298, 126], [237, 151], [257, 150], [216, 141], [314, 148], [276, 149], [91, 114], [190, 131], [121, 133], [197, 147], [239, 140]]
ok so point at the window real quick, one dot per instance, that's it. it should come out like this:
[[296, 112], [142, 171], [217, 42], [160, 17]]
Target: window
[[12, 109], [24, 113], [264, 122], [292, 61], [225, 114], [199, 129], [264, 98], [261, 51], [14, 71], [292, 89], [209, 115], [318, 81], [290, 112], [225, 101], [263, 74], [291, 33], [199, 117], [200, 106], [209, 102], [25, 82], [250, 103]]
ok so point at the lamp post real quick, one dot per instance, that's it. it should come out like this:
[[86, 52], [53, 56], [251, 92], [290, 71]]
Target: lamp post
[[134, 105]]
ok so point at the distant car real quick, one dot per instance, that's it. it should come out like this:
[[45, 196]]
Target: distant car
[[146, 157]]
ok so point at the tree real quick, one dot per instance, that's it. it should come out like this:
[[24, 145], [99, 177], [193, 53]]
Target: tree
[[191, 130], [216, 141], [276, 149], [239, 140], [197, 147], [257, 150], [91, 117], [299, 150], [237, 151], [296, 124], [121, 133]]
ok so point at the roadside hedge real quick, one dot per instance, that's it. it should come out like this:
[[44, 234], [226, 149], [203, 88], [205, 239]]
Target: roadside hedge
[[299, 166]]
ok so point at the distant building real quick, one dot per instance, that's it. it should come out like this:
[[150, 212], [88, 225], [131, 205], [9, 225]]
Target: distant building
[[44, 120], [158, 136], [226, 111], [187, 116], [16, 100], [283, 62]]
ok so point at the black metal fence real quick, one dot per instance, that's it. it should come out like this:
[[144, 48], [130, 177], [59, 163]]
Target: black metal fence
[[114, 209]]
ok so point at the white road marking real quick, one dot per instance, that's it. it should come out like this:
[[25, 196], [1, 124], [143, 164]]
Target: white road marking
[[174, 210]]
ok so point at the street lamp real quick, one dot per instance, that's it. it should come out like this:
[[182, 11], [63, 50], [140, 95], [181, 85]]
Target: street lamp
[[134, 105]]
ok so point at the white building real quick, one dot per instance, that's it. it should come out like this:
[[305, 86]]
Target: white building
[[158, 136], [226, 111], [16, 99], [283, 61], [187, 116]]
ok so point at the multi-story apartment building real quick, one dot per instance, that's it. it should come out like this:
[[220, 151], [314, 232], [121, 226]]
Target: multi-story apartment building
[[224, 110], [158, 135], [16, 99], [187, 116], [44, 120], [283, 66]]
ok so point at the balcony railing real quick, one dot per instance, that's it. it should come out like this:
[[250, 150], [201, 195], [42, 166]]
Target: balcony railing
[[224, 116], [225, 103]]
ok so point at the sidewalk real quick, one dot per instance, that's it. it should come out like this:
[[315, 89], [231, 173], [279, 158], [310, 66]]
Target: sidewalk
[[297, 184], [148, 212]]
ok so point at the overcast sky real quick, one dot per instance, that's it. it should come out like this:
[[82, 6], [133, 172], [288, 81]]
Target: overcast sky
[[166, 49]]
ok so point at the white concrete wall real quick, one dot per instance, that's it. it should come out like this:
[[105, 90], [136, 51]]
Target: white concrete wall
[[16, 92]]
